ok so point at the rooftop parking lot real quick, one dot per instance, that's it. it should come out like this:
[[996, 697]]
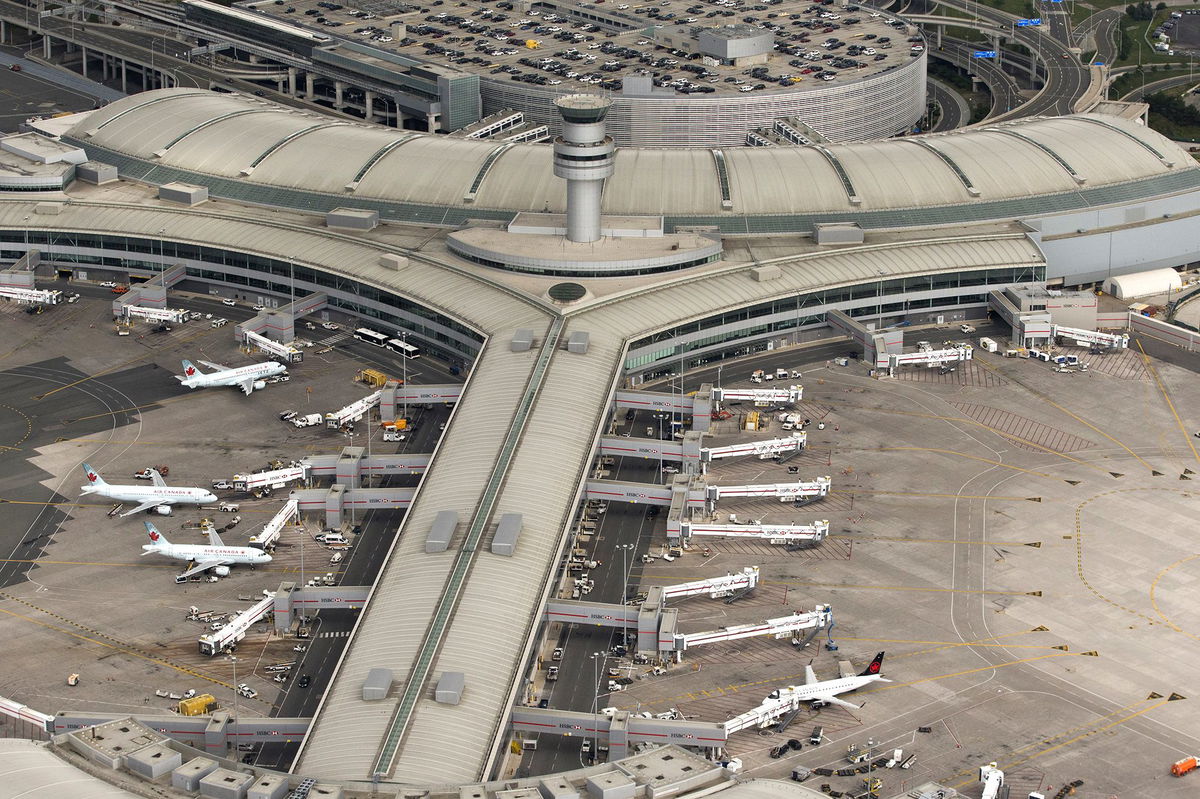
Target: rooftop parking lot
[[552, 45]]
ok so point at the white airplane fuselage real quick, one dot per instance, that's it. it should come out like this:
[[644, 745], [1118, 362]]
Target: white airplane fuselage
[[820, 691], [201, 553], [166, 495], [234, 377]]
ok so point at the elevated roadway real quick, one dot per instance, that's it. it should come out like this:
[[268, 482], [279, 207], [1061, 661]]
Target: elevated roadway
[[1066, 80], [1005, 92]]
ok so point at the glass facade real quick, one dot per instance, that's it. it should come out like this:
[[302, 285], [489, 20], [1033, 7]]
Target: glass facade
[[745, 330], [440, 335]]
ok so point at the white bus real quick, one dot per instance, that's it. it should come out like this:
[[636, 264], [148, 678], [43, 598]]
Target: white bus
[[404, 348], [371, 337]]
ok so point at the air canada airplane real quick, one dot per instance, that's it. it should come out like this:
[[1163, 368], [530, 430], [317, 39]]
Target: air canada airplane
[[818, 693], [247, 378], [159, 495], [217, 555]]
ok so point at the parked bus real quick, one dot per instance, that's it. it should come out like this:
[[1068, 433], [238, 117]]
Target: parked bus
[[371, 337], [404, 348]]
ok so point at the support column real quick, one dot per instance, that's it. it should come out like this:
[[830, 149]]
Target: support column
[[3, 31], [46, 47], [310, 82], [291, 81], [431, 122], [338, 89], [369, 105], [124, 76], [83, 61]]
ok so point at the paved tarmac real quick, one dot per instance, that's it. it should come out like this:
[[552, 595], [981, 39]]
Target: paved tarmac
[[1013, 539]]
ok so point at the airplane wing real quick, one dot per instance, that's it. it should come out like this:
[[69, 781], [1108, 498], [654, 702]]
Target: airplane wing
[[810, 676], [216, 366], [247, 386], [214, 540], [833, 700], [147, 505], [202, 566], [156, 478]]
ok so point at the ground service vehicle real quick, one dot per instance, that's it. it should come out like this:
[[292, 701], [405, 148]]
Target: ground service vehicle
[[401, 347], [371, 336], [1181, 767]]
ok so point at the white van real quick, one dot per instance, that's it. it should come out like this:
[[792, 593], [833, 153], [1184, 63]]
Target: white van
[[332, 539]]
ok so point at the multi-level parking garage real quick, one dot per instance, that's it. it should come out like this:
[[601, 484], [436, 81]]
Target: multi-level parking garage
[[880, 231], [702, 74]]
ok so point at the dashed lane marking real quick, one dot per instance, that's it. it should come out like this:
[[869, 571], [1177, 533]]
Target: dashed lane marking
[[1081, 420], [108, 642], [1079, 542], [1079, 737]]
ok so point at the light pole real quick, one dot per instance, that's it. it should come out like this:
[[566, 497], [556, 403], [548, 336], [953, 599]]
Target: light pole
[[626, 549], [404, 378], [161, 258], [236, 691], [596, 658]]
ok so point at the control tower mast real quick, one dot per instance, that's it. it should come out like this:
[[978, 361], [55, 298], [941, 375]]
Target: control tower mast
[[584, 156]]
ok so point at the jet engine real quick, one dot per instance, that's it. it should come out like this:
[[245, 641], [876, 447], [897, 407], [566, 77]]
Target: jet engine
[[259, 385], [221, 571], [162, 510]]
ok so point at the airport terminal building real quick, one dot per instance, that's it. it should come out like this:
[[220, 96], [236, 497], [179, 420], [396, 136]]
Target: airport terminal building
[[698, 255]]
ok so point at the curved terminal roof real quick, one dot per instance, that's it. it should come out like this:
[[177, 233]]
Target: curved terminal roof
[[204, 133]]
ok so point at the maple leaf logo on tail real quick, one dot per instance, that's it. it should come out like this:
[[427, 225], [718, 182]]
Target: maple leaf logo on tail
[[191, 370], [91, 476]]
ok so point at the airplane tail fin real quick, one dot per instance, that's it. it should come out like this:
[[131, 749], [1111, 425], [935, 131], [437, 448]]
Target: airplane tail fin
[[190, 370], [874, 667], [155, 536], [95, 481]]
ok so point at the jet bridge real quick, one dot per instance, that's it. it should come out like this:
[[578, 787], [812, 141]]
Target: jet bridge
[[764, 715], [773, 533], [1119, 341], [31, 296], [715, 587], [962, 352], [809, 491], [763, 449], [352, 412], [172, 315], [782, 627], [269, 535], [285, 352], [621, 729], [760, 396], [217, 642], [275, 478]]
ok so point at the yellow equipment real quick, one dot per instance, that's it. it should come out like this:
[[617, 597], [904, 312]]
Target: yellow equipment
[[532, 44], [372, 377], [198, 705]]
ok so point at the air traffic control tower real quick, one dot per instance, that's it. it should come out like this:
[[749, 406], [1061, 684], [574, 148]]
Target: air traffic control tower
[[584, 156], [584, 241]]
